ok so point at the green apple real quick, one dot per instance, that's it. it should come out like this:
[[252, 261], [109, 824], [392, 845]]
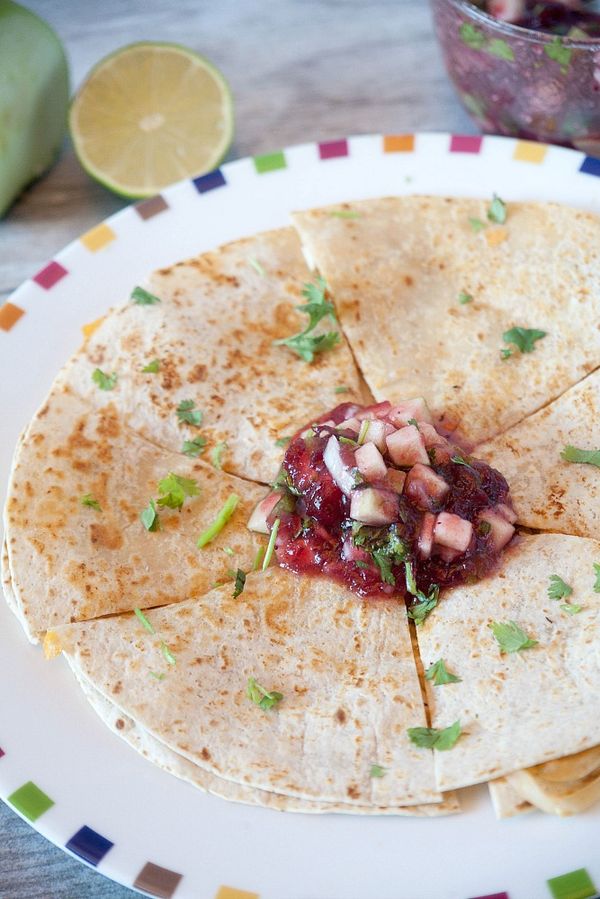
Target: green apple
[[34, 98]]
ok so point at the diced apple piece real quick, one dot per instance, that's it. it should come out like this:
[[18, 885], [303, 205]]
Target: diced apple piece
[[506, 512], [374, 506], [425, 488], [258, 520], [447, 554], [507, 10], [402, 413], [339, 464], [452, 531], [377, 434], [425, 539], [370, 462], [396, 479], [406, 446], [377, 410], [351, 424], [501, 529]]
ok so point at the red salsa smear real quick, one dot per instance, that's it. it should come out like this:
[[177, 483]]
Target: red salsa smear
[[381, 501]]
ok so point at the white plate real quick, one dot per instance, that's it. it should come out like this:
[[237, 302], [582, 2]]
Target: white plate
[[48, 733]]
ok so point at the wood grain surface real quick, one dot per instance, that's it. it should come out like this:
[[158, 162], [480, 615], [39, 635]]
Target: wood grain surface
[[300, 70]]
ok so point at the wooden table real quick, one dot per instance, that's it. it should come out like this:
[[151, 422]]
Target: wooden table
[[300, 70]]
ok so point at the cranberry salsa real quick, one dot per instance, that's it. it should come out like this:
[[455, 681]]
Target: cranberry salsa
[[572, 18], [380, 500]]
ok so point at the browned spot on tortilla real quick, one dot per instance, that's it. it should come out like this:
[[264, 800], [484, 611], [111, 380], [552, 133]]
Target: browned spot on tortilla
[[105, 536], [205, 754], [341, 716], [170, 378], [276, 616], [117, 688], [408, 281], [198, 373], [119, 724], [353, 791]]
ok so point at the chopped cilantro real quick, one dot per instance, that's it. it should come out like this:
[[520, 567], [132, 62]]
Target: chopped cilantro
[[439, 674], [497, 211], [510, 637], [476, 225], [589, 457], [153, 367], [484, 528], [157, 675], [557, 51], [434, 738], [216, 456], [360, 564], [419, 609], [523, 338], [317, 308], [143, 297], [256, 266], [506, 354], [240, 582], [385, 568], [149, 517], [377, 771], [282, 441], [471, 36], [571, 608], [459, 460], [364, 430], [174, 490], [597, 575], [144, 620], [558, 589], [342, 390], [413, 421], [104, 381], [88, 500], [187, 412], [228, 551], [271, 545], [501, 49], [464, 298], [344, 214], [220, 521], [170, 658], [264, 699], [194, 447]]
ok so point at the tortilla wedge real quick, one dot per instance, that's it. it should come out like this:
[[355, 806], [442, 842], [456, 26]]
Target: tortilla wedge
[[506, 801], [69, 562], [398, 269], [574, 792], [548, 492], [212, 334], [344, 667], [523, 708]]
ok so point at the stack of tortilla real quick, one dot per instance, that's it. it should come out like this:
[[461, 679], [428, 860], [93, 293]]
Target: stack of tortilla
[[171, 680]]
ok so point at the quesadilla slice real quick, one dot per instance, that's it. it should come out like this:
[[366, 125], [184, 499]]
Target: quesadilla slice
[[487, 321], [160, 754], [208, 337], [552, 485], [296, 686], [565, 787], [525, 655], [98, 520], [506, 801]]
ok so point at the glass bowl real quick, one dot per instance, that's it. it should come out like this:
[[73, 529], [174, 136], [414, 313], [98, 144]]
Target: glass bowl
[[519, 82]]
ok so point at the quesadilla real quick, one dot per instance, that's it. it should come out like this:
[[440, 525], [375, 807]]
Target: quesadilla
[[77, 547], [527, 662], [551, 490], [209, 328], [343, 668], [487, 321]]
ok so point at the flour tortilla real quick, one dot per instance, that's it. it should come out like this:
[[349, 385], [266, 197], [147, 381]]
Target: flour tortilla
[[549, 493], [213, 333], [398, 268], [520, 709], [159, 754], [344, 666], [506, 801], [69, 562]]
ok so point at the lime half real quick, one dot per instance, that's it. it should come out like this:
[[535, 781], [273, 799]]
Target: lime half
[[151, 114]]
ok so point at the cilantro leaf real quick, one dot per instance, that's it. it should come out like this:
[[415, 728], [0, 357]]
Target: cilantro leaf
[[385, 569], [152, 367], [571, 608], [158, 676], [422, 604], [145, 623], [240, 583], [597, 574], [471, 36], [342, 390], [523, 338], [434, 738], [344, 214], [216, 456], [476, 225], [143, 297], [589, 457], [557, 51], [282, 442], [377, 771], [439, 674], [220, 521], [558, 589], [104, 381], [464, 298], [88, 500], [497, 211], [187, 412], [175, 489], [307, 347], [317, 308], [506, 354], [194, 447], [256, 266], [510, 637], [149, 517], [169, 657], [264, 699], [501, 49]]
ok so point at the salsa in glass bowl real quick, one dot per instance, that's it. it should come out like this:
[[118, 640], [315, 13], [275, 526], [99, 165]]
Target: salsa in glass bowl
[[536, 77]]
